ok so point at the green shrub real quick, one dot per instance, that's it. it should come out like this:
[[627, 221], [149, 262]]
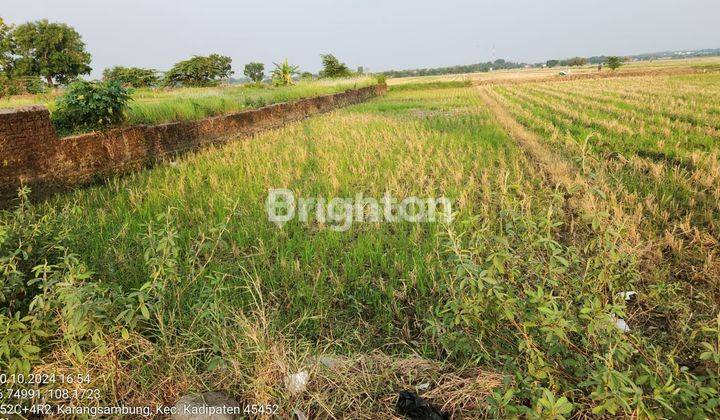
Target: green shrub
[[21, 85], [45, 293], [546, 313], [49, 299], [252, 102], [87, 106], [614, 62]]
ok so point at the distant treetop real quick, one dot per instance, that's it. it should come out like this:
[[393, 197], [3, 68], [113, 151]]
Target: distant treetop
[[499, 64], [332, 67], [200, 71], [131, 76]]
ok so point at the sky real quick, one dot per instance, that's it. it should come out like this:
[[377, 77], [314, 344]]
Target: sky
[[377, 34]]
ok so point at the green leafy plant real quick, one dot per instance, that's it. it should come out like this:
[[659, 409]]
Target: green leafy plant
[[44, 291], [283, 73], [89, 106]]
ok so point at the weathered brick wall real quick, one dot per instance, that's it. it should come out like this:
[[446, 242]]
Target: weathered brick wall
[[25, 137], [31, 153]]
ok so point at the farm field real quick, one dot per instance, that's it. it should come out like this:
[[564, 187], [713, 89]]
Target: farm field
[[578, 277], [157, 105], [530, 74]]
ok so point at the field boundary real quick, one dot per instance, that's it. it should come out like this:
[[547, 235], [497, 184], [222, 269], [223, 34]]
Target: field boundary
[[557, 170], [32, 154], [588, 76]]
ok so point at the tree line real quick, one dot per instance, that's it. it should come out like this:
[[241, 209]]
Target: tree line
[[42, 54], [499, 64], [613, 62]]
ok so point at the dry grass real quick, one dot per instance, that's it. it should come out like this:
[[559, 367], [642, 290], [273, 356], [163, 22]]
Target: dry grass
[[516, 297], [648, 141]]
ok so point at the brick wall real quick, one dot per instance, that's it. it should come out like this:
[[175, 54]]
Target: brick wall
[[25, 137], [31, 153]]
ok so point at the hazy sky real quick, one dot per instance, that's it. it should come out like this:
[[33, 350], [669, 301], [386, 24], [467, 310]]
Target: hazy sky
[[380, 35]]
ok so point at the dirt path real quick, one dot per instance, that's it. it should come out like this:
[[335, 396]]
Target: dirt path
[[558, 171]]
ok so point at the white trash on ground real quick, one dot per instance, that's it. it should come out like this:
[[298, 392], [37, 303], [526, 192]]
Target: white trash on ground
[[621, 324], [296, 383], [627, 295]]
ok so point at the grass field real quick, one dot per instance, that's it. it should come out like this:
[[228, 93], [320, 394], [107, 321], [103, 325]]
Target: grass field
[[566, 197], [152, 106]]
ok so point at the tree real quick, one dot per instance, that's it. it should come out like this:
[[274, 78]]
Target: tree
[[200, 71], [553, 63], [283, 73], [131, 76], [614, 62], [255, 71], [6, 48], [332, 67], [53, 51], [577, 61]]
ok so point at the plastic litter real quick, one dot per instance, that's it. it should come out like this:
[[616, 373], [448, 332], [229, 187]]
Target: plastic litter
[[414, 407], [627, 295], [423, 386], [297, 382], [621, 324], [329, 362]]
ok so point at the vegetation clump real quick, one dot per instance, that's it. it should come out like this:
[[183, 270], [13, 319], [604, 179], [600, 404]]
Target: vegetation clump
[[283, 73], [53, 51], [255, 71], [87, 106], [332, 67], [5, 48], [499, 64], [614, 62], [131, 76], [200, 71]]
